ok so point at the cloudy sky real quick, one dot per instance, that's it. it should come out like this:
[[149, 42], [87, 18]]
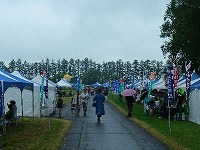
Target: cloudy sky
[[101, 30]]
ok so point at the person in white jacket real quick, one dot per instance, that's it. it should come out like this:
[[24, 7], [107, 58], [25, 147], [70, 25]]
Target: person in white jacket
[[84, 99]]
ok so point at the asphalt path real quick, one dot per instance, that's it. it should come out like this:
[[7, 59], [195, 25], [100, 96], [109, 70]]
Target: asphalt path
[[115, 132]]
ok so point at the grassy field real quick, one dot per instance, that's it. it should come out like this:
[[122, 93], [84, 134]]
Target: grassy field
[[184, 134], [36, 133]]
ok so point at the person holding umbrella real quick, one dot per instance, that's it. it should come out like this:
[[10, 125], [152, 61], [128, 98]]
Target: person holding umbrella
[[129, 96]]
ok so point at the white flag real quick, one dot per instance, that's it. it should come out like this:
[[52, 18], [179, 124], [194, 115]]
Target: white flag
[[187, 67]]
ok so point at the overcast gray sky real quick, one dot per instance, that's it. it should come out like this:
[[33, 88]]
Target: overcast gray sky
[[102, 30]]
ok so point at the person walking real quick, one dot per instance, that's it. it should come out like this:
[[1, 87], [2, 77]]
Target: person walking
[[129, 96], [99, 99], [84, 99], [60, 106], [129, 102], [77, 103]]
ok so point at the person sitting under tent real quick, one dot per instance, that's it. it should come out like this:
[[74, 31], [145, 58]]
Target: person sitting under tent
[[10, 113], [14, 108]]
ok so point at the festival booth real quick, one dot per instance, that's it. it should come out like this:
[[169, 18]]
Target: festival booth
[[48, 102], [64, 83], [12, 88], [30, 108]]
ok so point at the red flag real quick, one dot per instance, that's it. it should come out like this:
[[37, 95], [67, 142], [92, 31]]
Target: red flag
[[175, 77]]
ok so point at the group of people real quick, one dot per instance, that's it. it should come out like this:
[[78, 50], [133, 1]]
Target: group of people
[[81, 101], [154, 104]]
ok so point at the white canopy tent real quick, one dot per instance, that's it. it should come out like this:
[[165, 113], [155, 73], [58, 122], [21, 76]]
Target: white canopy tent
[[30, 108], [50, 102], [64, 83], [194, 105], [160, 84], [13, 89]]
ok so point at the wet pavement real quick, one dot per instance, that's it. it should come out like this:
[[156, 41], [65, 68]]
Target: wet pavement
[[115, 132]]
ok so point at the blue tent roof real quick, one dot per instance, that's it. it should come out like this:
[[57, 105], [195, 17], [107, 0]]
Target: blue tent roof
[[194, 86], [96, 84], [106, 84], [9, 80], [194, 76], [182, 78]]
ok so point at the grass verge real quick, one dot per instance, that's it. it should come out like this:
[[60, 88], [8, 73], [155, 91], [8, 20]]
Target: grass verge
[[36, 134], [184, 134]]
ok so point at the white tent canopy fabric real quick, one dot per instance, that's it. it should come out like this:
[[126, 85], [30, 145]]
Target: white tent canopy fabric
[[194, 105], [160, 84], [50, 102], [30, 108], [64, 83]]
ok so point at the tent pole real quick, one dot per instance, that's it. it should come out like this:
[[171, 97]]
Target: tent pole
[[33, 102], [169, 120], [3, 106]]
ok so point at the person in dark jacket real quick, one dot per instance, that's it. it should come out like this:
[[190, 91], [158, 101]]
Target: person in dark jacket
[[60, 106], [129, 102], [10, 113]]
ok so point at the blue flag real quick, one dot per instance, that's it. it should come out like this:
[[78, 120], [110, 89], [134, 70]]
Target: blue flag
[[170, 85]]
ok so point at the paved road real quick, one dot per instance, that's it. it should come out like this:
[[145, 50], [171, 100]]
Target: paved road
[[115, 132]]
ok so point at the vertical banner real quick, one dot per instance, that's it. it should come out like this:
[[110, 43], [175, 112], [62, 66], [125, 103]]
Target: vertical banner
[[175, 76], [121, 86], [132, 81], [170, 85], [144, 80], [188, 76], [42, 87], [170, 94], [152, 76], [78, 84], [47, 76], [117, 86]]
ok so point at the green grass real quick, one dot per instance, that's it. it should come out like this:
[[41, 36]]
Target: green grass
[[184, 134], [34, 134]]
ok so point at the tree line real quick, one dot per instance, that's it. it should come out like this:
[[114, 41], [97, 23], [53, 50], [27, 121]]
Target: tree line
[[88, 70]]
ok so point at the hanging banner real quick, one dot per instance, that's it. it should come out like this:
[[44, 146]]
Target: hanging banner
[[175, 76], [170, 85]]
